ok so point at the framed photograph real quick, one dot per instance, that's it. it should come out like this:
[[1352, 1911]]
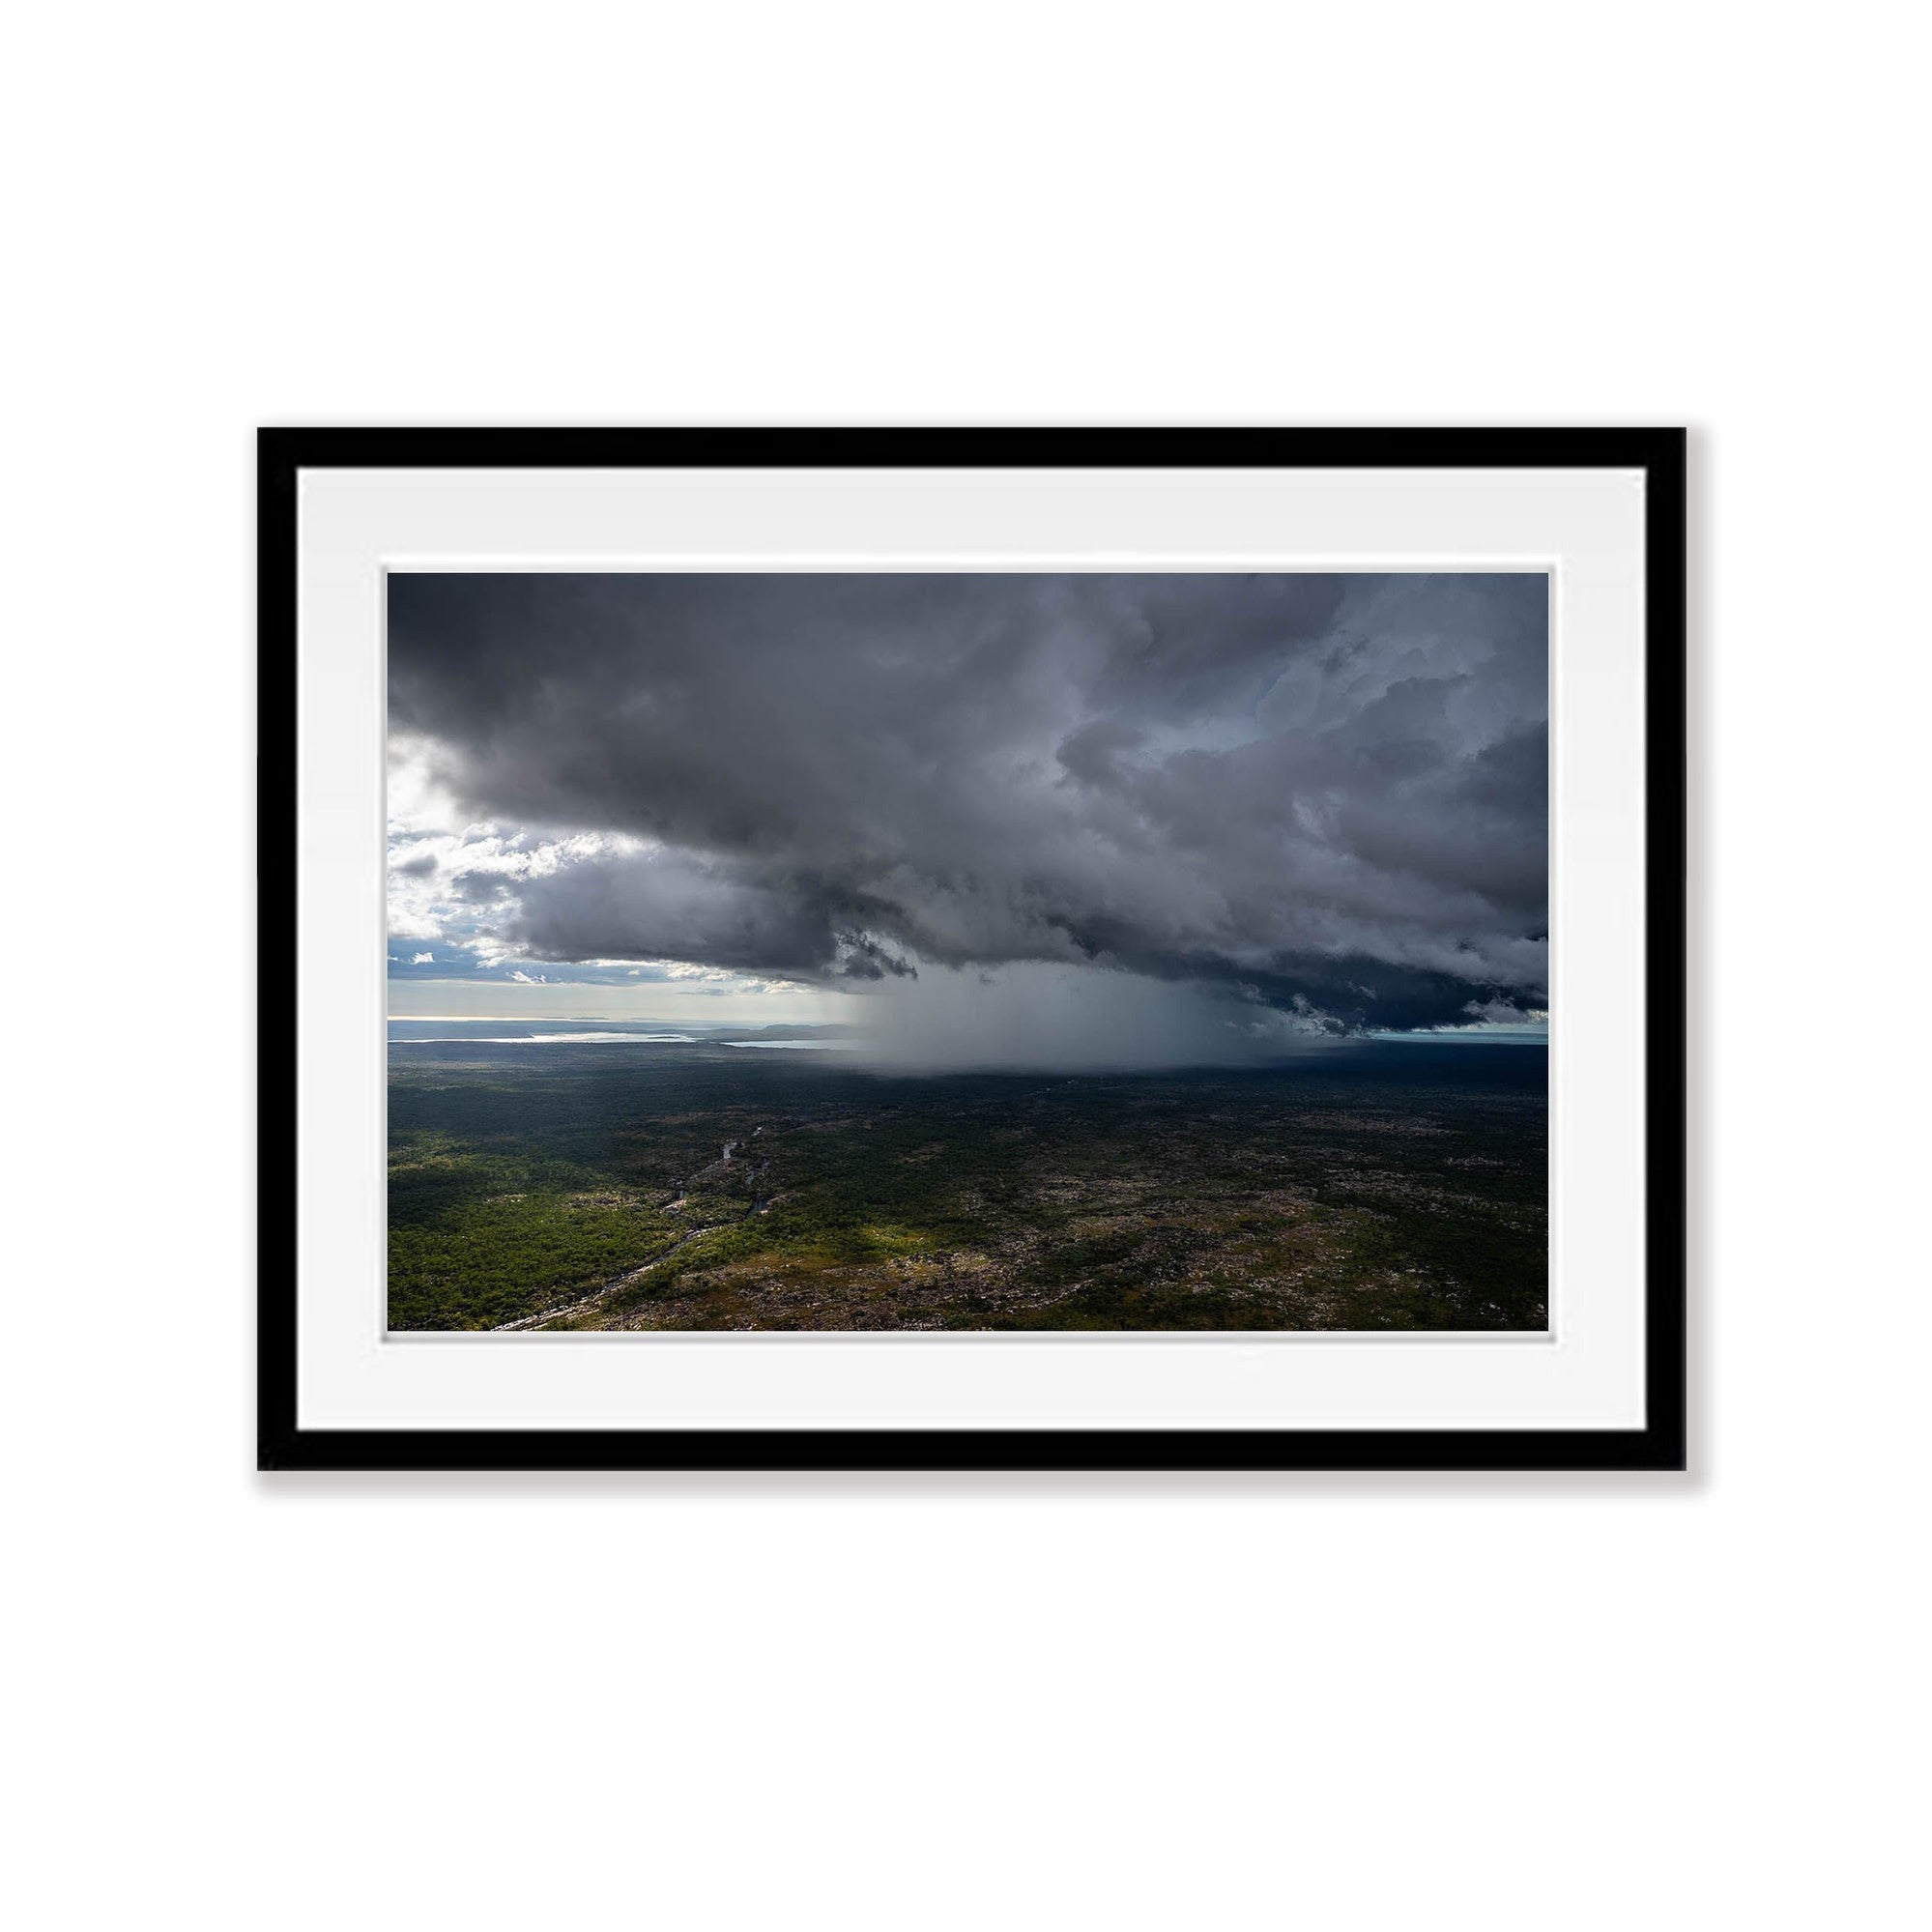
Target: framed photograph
[[972, 949]]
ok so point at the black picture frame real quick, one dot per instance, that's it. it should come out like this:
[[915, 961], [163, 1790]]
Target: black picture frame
[[1660, 1444]]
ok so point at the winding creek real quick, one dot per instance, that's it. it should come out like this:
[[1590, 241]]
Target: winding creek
[[606, 1290]]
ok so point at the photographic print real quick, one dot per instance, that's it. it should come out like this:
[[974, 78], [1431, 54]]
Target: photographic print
[[1096, 951]]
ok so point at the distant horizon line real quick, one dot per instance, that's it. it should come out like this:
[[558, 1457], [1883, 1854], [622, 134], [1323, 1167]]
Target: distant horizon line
[[1522, 1036]]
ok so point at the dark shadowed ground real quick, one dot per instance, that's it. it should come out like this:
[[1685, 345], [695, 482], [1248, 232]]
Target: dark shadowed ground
[[587, 1187]]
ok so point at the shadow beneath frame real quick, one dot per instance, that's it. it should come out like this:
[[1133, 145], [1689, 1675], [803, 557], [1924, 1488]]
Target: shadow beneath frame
[[1049, 1485]]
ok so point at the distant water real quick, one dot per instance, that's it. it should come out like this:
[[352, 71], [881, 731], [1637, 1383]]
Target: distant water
[[787, 1045], [533, 1032]]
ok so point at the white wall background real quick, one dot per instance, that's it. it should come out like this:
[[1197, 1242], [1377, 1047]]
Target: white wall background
[[1334, 1703]]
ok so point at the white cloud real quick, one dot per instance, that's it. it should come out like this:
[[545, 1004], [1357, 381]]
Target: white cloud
[[1501, 1012], [447, 884]]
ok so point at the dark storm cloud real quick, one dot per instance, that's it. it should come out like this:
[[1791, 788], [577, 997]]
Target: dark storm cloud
[[1324, 792]]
